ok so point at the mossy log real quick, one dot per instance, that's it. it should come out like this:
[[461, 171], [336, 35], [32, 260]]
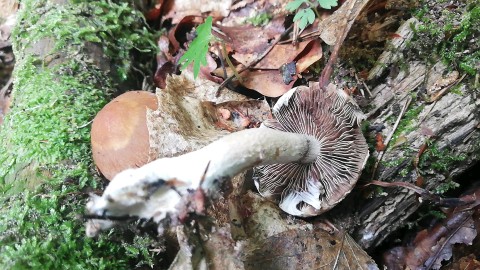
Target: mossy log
[[71, 56], [434, 142]]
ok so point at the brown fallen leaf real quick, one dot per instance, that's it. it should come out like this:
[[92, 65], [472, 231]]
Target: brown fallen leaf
[[165, 62], [432, 246], [178, 34], [379, 145], [307, 249], [251, 41], [311, 54], [266, 82], [469, 262], [279, 55]]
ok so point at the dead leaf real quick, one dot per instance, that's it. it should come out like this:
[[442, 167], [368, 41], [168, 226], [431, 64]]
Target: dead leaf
[[307, 249], [432, 246], [242, 11], [469, 262], [279, 55], [153, 12], [165, 62], [251, 41], [379, 145], [178, 34], [313, 54], [266, 82]]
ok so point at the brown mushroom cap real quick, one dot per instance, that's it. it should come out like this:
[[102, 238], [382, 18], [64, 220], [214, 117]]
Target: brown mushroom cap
[[119, 133], [307, 189]]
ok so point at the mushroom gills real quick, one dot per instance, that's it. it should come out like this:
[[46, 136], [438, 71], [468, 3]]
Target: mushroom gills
[[333, 118]]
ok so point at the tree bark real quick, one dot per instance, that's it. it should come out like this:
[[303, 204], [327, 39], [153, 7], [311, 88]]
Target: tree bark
[[435, 142]]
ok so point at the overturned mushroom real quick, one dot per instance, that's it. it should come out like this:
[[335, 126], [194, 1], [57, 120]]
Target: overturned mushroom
[[119, 133], [316, 136], [311, 188]]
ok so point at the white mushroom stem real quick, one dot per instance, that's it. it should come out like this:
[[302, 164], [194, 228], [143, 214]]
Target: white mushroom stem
[[233, 154], [140, 191]]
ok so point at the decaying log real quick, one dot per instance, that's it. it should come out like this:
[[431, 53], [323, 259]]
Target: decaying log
[[448, 126]]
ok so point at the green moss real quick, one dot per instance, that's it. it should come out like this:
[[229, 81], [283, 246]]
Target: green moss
[[405, 171], [407, 123], [112, 24], [441, 161], [360, 58], [456, 89], [40, 231], [450, 35], [260, 19], [45, 148], [394, 162], [444, 187]]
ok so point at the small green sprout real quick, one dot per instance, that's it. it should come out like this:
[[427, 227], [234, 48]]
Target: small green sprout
[[306, 16], [197, 52]]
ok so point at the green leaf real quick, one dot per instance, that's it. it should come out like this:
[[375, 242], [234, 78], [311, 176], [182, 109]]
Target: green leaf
[[305, 17], [197, 52], [328, 4], [292, 6]]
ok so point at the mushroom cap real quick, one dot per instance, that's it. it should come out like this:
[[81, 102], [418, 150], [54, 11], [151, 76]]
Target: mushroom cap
[[333, 117], [119, 133]]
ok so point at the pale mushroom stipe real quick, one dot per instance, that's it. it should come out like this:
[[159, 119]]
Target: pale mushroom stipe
[[307, 159]]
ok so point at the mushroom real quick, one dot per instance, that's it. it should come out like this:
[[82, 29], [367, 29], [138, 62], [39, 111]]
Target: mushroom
[[119, 133], [308, 159]]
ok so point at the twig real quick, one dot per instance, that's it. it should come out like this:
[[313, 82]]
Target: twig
[[222, 63], [310, 35], [104, 217], [254, 62], [426, 195], [3, 91], [364, 84], [389, 137], [437, 97], [447, 241]]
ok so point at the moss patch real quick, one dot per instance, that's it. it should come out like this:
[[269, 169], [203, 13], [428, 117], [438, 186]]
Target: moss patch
[[45, 148], [449, 31], [260, 19], [441, 160], [408, 122]]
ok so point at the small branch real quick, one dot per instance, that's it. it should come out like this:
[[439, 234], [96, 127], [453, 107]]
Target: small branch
[[364, 85], [230, 64], [4, 90], [463, 202], [389, 137], [222, 63]]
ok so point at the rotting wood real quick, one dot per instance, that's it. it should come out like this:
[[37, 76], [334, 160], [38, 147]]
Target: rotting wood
[[449, 125]]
